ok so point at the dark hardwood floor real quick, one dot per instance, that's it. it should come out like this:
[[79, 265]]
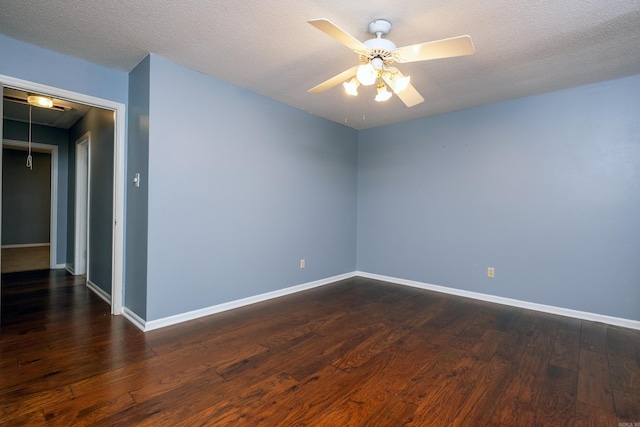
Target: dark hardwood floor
[[355, 353]]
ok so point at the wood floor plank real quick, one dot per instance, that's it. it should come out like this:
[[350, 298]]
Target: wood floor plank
[[593, 337], [269, 362], [594, 381], [625, 372], [249, 407], [162, 382], [627, 405], [35, 419], [337, 383], [375, 343], [566, 350], [312, 355], [441, 404], [307, 401], [87, 409], [436, 363], [390, 372], [393, 412], [155, 368], [517, 338], [25, 259], [557, 402], [177, 403], [487, 344], [32, 402], [358, 352], [624, 361], [481, 401], [594, 416], [518, 402]]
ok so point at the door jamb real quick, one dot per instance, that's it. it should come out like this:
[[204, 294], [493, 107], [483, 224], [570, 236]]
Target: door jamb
[[83, 140]]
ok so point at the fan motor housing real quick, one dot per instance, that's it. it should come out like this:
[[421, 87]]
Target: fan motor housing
[[379, 48]]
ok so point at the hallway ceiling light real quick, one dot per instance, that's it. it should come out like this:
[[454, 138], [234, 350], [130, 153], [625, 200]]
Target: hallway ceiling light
[[40, 101]]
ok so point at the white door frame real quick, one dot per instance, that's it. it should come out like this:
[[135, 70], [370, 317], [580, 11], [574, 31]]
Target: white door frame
[[53, 217], [1, 137], [119, 111], [82, 196]]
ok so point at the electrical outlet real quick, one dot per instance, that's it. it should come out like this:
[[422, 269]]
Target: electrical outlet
[[490, 272], [302, 263]]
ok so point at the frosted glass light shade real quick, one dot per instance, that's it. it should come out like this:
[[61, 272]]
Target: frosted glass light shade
[[351, 87], [383, 93], [401, 83], [366, 74]]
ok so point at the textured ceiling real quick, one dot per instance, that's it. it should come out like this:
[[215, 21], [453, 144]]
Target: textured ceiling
[[523, 47]]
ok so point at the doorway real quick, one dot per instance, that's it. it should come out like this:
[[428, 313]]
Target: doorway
[[82, 206], [30, 222], [117, 232]]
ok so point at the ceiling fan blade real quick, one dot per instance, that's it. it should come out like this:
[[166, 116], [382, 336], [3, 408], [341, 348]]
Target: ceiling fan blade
[[409, 96], [446, 48], [335, 80], [332, 30]]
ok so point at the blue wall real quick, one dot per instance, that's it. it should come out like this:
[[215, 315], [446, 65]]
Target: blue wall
[[135, 291], [19, 131], [545, 189], [26, 197], [100, 125], [241, 188], [35, 64]]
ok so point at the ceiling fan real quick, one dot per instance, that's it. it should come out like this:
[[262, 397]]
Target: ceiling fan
[[376, 56]]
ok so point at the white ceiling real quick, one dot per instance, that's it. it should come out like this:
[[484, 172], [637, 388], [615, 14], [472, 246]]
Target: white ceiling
[[523, 47]]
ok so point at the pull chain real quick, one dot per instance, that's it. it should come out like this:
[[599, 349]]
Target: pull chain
[[29, 158]]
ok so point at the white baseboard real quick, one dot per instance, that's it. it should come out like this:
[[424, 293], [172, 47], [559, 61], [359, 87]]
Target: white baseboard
[[98, 291], [179, 318], [60, 267], [195, 314], [25, 245], [617, 321], [70, 270], [133, 318]]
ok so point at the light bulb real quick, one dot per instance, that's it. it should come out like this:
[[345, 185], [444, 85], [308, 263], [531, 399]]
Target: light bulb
[[383, 93], [367, 74], [351, 87], [401, 83], [40, 101]]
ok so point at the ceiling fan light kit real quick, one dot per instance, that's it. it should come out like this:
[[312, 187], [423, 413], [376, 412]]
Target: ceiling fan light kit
[[401, 83], [377, 54], [368, 74], [383, 93], [351, 87]]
